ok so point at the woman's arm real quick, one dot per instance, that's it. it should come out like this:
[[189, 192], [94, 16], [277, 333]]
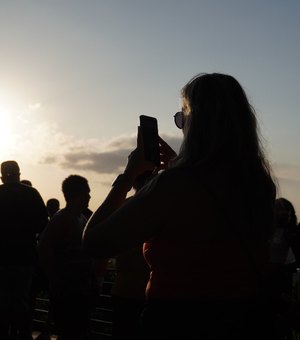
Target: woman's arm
[[116, 226], [136, 221], [115, 199], [136, 165]]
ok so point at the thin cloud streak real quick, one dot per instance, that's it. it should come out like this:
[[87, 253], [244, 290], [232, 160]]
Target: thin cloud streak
[[105, 162], [69, 153], [46, 144]]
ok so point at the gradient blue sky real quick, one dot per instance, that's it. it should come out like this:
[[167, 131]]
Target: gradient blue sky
[[75, 76]]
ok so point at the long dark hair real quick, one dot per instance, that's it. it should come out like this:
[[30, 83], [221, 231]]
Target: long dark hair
[[221, 131], [222, 124]]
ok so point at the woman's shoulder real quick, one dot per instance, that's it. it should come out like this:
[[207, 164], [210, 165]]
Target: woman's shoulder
[[185, 173], [179, 179]]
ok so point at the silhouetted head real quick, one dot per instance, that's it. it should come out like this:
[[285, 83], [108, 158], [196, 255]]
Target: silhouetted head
[[53, 206], [76, 191], [285, 213], [10, 172], [219, 122], [26, 182]]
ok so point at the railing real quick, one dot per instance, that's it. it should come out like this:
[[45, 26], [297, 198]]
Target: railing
[[101, 320]]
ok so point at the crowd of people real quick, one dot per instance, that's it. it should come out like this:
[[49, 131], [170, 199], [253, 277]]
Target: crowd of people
[[41, 251], [204, 248]]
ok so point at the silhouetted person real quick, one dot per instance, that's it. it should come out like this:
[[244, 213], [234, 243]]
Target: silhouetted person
[[283, 261], [100, 265], [53, 205], [205, 222], [282, 252], [128, 290], [26, 182], [296, 245], [23, 216], [13, 329], [40, 283], [70, 271], [287, 231]]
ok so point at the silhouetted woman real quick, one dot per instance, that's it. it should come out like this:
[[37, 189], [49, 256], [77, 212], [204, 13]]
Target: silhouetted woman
[[205, 221]]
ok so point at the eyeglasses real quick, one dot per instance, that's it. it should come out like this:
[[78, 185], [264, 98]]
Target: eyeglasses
[[179, 119]]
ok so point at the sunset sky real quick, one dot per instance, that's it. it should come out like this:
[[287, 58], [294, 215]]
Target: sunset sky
[[76, 74]]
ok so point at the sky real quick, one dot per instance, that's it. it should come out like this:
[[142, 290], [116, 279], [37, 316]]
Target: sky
[[76, 74]]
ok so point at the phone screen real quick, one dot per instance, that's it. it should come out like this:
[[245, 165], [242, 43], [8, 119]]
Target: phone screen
[[150, 138]]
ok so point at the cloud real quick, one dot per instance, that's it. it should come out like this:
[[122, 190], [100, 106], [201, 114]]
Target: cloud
[[44, 143], [34, 107], [33, 139], [81, 154], [114, 158], [111, 158], [102, 162]]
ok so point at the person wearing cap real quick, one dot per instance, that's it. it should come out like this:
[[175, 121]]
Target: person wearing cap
[[23, 216]]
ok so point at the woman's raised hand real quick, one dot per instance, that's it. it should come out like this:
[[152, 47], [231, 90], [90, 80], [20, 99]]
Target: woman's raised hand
[[137, 164]]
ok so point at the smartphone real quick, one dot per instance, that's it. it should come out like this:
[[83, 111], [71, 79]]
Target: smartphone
[[149, 129]]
